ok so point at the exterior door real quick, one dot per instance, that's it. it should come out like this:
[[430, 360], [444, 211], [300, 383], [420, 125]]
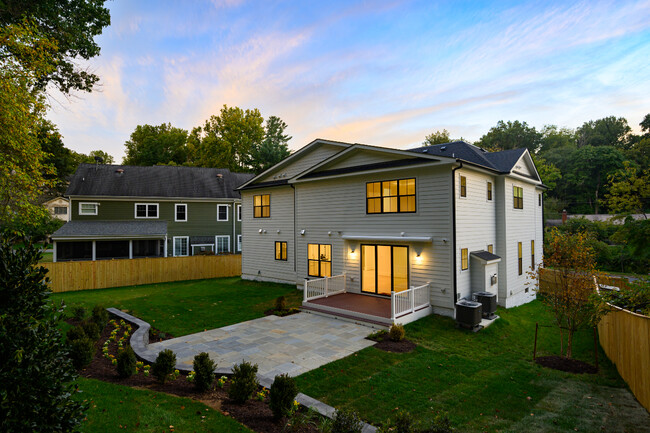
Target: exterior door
[[384, 268]]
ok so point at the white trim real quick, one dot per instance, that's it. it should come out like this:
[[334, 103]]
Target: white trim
[[216, 244], [158, 199], [424, 163], [227, 211], [239, 243], [187, 238], [176, 212], [388, 238], [239, 212], [85, 213], [135, 210]]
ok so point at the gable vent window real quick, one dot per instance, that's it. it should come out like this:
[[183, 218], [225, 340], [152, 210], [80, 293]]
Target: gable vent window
[[518, 197], [390, 196], [146, 210]]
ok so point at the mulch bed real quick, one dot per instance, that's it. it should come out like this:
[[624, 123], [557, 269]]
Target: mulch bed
[[387, 345], [255, 414], [281, 313], [566, 364]]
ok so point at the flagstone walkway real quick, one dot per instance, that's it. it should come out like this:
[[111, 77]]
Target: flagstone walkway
[[292, 344]]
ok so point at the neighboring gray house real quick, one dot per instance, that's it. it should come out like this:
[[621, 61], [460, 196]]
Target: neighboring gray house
[[119, 211], [413, 231]]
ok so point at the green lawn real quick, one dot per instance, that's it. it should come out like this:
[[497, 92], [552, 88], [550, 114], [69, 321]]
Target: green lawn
[[187, 307], [483, 380], [115, 408]]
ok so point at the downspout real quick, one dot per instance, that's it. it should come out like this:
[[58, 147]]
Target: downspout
[[234, 229], [294, 227], [453, 225]]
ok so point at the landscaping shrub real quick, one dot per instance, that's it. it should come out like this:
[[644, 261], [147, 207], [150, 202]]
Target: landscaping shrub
[[75, 333], [346, 422], [280, 303], [78, 312], [283, 392], [204, 371], [403, 422], [396, 332], [126, 363], [99, 316], [82, 352], [439, 424], [164, 365], [244, 382], [377, 335], [91, 329]]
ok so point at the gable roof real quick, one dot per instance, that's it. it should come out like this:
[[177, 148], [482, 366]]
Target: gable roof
[[85, 229], [155, 181]]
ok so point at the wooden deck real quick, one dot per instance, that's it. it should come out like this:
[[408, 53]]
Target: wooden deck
[[355, 303]]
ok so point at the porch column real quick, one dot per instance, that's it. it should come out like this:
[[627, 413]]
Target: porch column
[[54, 252], [165, 245], [130, 248], [94, 250]]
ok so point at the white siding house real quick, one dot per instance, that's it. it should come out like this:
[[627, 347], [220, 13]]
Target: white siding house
[[405, 230]]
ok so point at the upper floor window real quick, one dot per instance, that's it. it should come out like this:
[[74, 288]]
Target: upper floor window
[[180, 212], [262, 206], [146, 210], [539, 199], [238, 212], [489, 190], [60, 210], [390, 196], [222, 212], [88, 208], [518, 197], [463, 186]]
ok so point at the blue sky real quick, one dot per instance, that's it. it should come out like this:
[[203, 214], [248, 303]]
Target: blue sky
[[376, 72]]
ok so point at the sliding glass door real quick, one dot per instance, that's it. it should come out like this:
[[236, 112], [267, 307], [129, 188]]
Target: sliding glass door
[[384, 268]]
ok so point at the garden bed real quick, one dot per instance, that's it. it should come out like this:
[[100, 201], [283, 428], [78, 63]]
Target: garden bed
[[566, 364]]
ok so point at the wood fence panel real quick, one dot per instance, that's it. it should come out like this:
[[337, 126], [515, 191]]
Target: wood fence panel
[[102, 274]]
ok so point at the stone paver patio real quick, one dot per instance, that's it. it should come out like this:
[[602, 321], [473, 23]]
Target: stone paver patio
[[294, 344]]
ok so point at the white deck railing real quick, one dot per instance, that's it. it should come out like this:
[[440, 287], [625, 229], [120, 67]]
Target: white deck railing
[[323, 287], [409, 301]]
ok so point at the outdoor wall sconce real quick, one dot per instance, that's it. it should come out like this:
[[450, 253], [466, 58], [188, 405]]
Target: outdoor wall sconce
[[260, 231], [302, 232], [329, 233], [278, 231]]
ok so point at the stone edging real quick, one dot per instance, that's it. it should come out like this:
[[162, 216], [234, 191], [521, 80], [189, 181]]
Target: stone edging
[[139, 342]]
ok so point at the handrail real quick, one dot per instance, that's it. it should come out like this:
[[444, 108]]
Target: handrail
[[324, 287], [408, 301]]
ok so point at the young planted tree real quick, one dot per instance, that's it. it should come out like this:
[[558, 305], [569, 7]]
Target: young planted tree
[[566, 287]]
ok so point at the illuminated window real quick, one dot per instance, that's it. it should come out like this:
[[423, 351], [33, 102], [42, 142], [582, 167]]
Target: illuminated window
[[518, 197], [262, 206], [390, 196], [319, 260], [521, 263], [491, 248], [532, 254], [463, 259], [281, 251], [489, 190], [463, 186]]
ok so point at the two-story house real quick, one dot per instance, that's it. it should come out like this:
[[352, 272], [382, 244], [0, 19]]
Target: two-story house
[[412, 230], [119, 211]]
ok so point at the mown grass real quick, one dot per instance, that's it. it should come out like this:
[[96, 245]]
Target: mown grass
[[486, 381], [115, 408], [186, 307]]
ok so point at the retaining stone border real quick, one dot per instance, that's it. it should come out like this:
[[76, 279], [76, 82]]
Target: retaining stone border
[[140, 341]]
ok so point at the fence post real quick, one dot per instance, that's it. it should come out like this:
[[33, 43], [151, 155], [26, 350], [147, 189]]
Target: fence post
[[327, 284], [304, 292], [412, 299], [392, 306]]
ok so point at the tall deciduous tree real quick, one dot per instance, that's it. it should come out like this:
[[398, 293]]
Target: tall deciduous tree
[[72, 26], [226, 140], [153, 145], [549, 173], [273, 148], [629, 190], [608, 131], [511, 135], [438, 137]]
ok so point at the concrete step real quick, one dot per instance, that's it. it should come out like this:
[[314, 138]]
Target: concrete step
[[347, 317]]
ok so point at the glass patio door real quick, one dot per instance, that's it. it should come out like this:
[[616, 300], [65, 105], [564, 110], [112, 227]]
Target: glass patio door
[[384, 268]]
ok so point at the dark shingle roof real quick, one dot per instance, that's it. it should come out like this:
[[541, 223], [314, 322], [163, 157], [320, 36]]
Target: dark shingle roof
[[485, 255], [500, 161], [155, 181], [85, 229]]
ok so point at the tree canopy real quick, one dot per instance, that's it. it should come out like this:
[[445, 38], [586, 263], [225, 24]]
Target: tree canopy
[[510, 135], [273, 148], [153, 145], [438, 137]]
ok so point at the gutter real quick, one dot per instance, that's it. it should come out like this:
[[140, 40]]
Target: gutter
[[295, 248], [453, 225]]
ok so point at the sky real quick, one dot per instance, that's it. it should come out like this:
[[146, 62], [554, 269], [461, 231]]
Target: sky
[[385, 73]]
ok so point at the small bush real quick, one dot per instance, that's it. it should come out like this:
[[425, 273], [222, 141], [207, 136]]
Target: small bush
[[78, 312], [403, 422], [164, 365], [396, 332], [91, 329], [283, 392], [280, 303], [244, 382], [75, 333], [99, 316], [82, 351], [126, 362], [204, 371], [377, 335], [346, 422], [439, 424]]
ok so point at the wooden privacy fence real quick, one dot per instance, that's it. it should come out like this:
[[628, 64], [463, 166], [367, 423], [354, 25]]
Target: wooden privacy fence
[[625, 338], [102, 274]]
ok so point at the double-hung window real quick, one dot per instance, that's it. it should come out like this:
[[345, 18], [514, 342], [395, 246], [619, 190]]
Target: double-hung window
[[532, 254], [518, 197], [390, 196], [181, 246], [281, 251], [489, 191], [146, 210], [88, 208], [238, 212], [238, 242], [319, 261], [180, 213], [60, 210], [222, 212], [262, 206], [463, 186], [222, 244], [520, 258]]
